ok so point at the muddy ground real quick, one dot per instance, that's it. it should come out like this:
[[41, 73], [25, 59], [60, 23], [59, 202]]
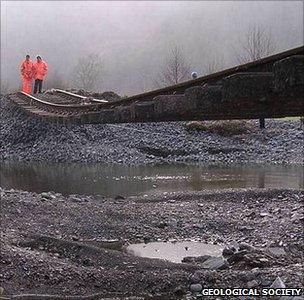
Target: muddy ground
[[51, 244], [27, 139]]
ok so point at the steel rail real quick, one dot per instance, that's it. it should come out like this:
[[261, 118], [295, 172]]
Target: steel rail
[[60, 108], [178, 88], [79, 96], [181, 87]]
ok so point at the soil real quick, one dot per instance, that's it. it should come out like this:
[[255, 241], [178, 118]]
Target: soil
[[56, 245]]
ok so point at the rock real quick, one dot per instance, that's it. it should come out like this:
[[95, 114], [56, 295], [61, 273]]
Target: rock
[[215, 263], [247, 276], [47, 196], [237, 256], [265, 282], [251, 214], [162, 225], [1, 290], [196, 287], [228, 251], [246, 228], [76, 200], [179, 291], [195, 277], [264, 214], [195, 259], [276, 251], [119, 197], [245, 246], [256, 260], [252, 284], [87, 262], [147, 239], [278, 284]]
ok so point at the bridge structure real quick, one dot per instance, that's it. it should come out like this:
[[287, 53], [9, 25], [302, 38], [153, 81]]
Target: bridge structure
[[272, 87]]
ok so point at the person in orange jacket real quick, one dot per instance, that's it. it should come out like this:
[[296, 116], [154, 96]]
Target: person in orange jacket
[[40, 71], [27, 74]]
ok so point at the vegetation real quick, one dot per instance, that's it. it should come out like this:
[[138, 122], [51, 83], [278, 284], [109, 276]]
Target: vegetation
[[176, 68], [255, 44], [87, 73], [223, 128]]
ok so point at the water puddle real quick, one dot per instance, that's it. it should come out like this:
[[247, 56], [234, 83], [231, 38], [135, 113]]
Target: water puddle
[[113, 179], [175, 251]]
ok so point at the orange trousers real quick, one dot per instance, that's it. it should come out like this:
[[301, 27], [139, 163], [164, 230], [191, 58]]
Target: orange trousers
[[27, 85]]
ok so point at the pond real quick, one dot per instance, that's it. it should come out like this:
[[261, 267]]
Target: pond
[[175, 251], [114, 179]]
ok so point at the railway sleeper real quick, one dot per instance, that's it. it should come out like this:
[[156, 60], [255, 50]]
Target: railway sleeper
[[253, 86], [202, 97], [173, 104], [144, 110], [288, 72]]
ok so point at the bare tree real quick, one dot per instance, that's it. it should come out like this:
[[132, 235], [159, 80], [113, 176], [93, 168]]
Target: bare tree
[[213, 65], [88, 72], [255, 44], [176, 68]]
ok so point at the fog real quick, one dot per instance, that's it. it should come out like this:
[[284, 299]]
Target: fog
[[133, 38]]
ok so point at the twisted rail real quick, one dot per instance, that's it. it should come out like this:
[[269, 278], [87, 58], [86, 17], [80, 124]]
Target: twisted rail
[[191, 100]]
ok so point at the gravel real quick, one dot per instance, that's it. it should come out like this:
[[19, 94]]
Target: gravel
[[27, 139], [55, 245]]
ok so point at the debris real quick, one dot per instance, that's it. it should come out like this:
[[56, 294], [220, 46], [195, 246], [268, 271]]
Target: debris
[[196, 287], [278, 284]]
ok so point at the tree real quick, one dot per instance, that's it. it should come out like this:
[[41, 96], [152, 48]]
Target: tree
[[176, 68], [255, 44], [88, 72], [213, 65]]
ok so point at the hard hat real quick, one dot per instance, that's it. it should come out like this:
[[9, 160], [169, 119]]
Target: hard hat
[[194, 75]]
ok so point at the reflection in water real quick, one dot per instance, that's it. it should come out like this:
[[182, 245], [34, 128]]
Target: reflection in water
[[113, 179], [175, 251]]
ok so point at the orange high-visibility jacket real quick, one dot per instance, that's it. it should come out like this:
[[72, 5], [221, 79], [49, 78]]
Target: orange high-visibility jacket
[[40, 70], [26, 69]]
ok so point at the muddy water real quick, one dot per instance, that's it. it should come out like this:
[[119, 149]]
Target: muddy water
[[112, 180], [174, 251]]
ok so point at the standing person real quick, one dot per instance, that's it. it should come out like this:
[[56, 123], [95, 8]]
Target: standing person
[[27, 74], [40, 71]]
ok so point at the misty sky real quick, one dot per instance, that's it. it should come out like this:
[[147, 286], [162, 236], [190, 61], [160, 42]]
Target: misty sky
[[133, 37]]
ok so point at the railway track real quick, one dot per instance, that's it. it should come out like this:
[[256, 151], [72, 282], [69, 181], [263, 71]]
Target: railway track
[[269, 87]]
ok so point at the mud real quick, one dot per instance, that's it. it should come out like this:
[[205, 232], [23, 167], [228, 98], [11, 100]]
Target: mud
[[75, 245]]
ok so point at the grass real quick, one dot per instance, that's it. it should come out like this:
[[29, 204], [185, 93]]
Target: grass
[[290, 118], [223, 128]]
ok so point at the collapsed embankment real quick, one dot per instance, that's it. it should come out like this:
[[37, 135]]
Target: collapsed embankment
[[26, 139]]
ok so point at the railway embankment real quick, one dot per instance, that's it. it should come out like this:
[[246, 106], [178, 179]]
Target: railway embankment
[[29, 139]]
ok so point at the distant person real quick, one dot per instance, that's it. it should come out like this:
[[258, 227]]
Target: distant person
[[193, 75], [27, 74], [40, 71]]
